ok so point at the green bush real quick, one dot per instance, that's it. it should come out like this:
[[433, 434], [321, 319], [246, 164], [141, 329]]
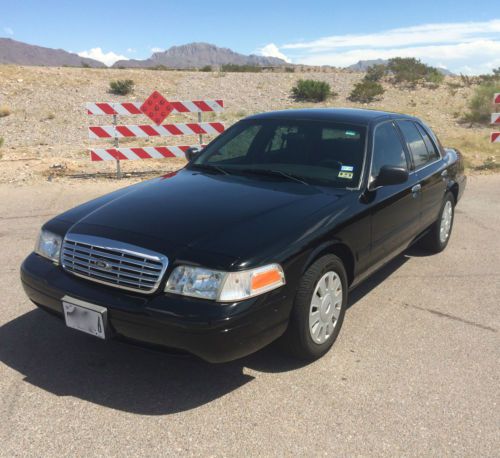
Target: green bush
[[411, 71], [366, 91], [481, 103], [1, 141], [121, 87], [240, 68], [375, 72], [311, 91], [206, 68]]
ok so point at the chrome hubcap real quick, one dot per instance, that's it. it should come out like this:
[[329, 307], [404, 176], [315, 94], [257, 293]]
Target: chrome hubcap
[[325, 307], [446, 219]]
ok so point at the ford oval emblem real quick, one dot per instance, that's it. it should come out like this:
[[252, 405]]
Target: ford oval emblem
[[103, 265]]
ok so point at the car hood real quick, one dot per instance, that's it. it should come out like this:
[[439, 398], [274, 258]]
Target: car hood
[[190, 211]]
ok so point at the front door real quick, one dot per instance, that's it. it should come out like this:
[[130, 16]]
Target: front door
[[395, 209]]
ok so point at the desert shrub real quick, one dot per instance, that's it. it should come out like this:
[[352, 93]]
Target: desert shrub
[[481, 104], [159, 67], [411, 71], [240, 68], [4, 111], [311, 91], [1, 141], [490, 78], [289, 69], [366, 91], [375, 72], [121, 87], [206, 68], [466, 80]]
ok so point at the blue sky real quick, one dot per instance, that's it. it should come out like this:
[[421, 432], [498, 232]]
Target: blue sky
[[458, 34]]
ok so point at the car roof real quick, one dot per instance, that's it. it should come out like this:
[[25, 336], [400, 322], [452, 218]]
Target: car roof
[[347, 115]]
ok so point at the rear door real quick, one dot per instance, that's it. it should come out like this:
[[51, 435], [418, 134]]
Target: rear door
[[428, 170], [396, 208]]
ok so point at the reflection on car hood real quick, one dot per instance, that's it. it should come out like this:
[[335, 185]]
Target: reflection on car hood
[[226, 214]]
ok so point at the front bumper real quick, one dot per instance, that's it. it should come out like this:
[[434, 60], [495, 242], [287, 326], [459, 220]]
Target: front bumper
[[215, 333]]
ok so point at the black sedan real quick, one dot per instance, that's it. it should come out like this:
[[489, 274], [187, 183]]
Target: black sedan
[[261, 236]]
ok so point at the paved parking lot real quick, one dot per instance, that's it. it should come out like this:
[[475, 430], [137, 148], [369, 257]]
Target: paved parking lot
[[415, 370]]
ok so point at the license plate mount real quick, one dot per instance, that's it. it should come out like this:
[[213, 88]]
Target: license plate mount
[[86, 317]]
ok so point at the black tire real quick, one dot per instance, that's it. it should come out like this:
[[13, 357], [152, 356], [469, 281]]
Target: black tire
[[432, 241], [297, 339]]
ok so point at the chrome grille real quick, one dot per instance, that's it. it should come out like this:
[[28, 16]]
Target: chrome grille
[[113, 263]]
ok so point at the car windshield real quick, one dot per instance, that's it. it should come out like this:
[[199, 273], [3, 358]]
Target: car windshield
[[310, 152]]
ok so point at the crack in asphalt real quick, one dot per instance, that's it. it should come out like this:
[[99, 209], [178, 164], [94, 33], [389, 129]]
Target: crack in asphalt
[[453, 317]]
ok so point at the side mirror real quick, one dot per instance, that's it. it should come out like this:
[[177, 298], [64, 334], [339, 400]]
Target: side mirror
[[390, 175], [192, 152]]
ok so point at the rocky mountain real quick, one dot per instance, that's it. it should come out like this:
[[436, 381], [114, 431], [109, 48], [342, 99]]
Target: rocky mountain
[[195, 55], [363, 65], [16, 52]]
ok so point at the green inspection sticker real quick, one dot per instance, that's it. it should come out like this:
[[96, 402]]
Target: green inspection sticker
[[347, 175], [350, 133]]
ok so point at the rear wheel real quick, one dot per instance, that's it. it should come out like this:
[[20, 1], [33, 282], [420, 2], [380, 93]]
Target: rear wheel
[[439, 235], [318, 310]]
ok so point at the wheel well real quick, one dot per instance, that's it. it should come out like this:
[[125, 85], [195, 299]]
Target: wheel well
[[454, 191], [344, 253]]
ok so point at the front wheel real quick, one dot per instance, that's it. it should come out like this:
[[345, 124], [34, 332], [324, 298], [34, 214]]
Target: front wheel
[[439, 235], [318, 310]]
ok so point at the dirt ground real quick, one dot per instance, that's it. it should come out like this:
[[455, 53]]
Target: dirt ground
[[414, 371], [45, 130]]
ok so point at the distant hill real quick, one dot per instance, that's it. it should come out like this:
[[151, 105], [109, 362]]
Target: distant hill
[[196, 55], [16, 52], [364, 65]]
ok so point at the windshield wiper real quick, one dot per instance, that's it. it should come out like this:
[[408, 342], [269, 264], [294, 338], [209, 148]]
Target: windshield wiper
[[271, 172], [210, 167]]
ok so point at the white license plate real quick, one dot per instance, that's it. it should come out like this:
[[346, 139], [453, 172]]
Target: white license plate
[[85, 317]]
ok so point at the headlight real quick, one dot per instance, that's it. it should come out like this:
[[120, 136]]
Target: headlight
[[48, 245], [224, 286]]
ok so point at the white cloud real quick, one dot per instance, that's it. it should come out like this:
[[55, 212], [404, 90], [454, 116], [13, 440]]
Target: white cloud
[[155, 49], [471, 47], [131, 50], [108, 58], [8, 31], [271, 50]]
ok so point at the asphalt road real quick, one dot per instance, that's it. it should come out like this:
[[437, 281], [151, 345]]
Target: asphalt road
[[415, 370]]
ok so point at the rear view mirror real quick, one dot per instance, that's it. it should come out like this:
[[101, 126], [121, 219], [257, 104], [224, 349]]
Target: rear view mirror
[[390, 175], [192, 152]]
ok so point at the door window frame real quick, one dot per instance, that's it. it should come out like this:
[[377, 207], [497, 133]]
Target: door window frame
[[409, 161], [407, 147]]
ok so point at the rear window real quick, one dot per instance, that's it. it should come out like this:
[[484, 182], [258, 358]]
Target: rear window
[[416, 144]]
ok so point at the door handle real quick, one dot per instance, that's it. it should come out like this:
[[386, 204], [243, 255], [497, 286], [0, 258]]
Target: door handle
[[416, 188]]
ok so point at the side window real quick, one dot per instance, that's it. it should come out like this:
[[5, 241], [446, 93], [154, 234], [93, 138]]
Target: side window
[[415, 142], [238, 146], [387, 148], [431, 148]]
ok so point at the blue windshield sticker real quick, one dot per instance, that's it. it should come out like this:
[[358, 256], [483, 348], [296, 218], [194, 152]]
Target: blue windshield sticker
[[347, 168]]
